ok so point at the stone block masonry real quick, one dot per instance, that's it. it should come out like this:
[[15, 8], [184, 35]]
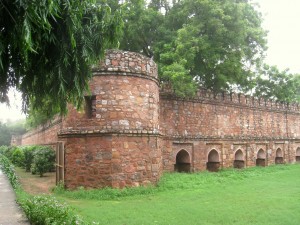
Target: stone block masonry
[[131, 130]]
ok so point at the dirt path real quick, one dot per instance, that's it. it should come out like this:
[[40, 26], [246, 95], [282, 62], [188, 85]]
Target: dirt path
[[34, 184]]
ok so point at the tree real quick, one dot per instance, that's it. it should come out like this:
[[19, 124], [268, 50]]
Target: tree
[[47, 48], [5, 135], [11, 128], [219, 45], [278, 85], [215, 44]]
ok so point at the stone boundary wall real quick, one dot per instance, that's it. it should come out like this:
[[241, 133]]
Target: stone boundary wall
[[239, 100], [208, 117], [131, 130], [45, 134]]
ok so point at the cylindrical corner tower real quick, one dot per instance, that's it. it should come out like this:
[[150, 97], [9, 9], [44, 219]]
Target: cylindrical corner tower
[[115, 142]]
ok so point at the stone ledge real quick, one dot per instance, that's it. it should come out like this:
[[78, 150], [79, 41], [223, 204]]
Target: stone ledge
[[76, 132], [128, 73]]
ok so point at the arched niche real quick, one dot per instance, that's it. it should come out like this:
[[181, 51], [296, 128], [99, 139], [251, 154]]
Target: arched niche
[[183, 161], [261, 158], [213, 161], [239, 162], [298, 155], [279, 156]]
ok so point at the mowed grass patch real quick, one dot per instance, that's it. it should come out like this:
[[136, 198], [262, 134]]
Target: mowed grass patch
[[269, 195]]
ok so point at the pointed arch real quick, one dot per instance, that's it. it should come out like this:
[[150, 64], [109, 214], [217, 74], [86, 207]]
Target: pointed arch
[[298, 155], [239, 159], [183, 161], [261, 158], [279, 156], [261, 154], [213, 161]]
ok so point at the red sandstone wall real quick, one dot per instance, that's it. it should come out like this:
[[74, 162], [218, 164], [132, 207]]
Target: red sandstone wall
[[45, 134], [227, 124], [114, 161], [206, 117], [134, 134], [118, 145], [126, 89]]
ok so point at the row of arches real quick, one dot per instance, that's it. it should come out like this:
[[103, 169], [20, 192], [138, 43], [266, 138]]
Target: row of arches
[[183, 161]]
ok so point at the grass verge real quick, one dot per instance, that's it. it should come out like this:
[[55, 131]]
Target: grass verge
[[267, 195], [40, 209]]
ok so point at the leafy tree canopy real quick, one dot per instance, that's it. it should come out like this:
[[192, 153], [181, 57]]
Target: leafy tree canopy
[[47, 47], [216, 44], [278, 85]]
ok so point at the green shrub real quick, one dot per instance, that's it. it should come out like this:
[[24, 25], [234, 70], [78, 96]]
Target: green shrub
[[43, 161], [28, 156], [8, 169], [7, 151], [3, 149], [17, 157], [44, 210]]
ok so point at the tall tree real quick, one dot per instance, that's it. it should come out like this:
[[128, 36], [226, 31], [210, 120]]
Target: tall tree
[[48, 46], [217, 44]]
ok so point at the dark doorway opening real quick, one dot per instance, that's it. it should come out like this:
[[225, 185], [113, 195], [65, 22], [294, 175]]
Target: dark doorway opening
[[298, 155], [239, 162], [183, 162], [261, 158], [213, 164], [279, 156]]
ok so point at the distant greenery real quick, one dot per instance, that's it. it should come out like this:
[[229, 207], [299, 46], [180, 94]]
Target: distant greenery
[[9, 128], [268, 196]]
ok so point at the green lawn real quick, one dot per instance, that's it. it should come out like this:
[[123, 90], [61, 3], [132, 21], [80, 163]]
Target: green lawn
[[264, 196]]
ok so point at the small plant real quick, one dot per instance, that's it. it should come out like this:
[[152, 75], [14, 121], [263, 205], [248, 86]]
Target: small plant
[[28, 157], [48, 210], [43, 161], [8, 151], [17, 157], [3, 149], [8, 169]]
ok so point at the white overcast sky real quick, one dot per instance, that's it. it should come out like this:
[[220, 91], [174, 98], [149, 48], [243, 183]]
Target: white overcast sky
[[281, 19]]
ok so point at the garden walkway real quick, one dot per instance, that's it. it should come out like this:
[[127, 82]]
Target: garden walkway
[[10, 212]]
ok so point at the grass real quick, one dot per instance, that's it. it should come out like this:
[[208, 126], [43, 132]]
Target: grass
[[269, 195]]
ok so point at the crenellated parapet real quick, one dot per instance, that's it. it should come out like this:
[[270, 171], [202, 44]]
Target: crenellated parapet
[[236, 99]]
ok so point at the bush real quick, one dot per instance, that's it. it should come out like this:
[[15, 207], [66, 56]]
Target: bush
[[8, 151], [3, 149], [43, 161], [28, 157], [8, 169], [47, 210], [17, 157], [42, 210]]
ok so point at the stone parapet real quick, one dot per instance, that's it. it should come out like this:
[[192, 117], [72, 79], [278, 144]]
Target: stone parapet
[[239, 100], [126, 63]]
